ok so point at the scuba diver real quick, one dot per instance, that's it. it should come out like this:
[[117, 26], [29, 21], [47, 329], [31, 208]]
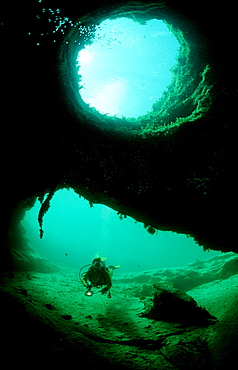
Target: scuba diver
[[97, 276]]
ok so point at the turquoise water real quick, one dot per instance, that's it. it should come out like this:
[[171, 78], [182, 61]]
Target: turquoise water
[[127, 67], [74, 233]]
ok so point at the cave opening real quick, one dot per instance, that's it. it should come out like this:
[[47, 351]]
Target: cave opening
[[75, 231], [98, 331], [135, 71], [155, 269], [126, 66]]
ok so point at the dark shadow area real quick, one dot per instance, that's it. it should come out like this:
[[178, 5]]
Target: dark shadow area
[[176, 171], [179, 179]]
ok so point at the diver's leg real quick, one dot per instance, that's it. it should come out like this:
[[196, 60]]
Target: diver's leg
[[112, 268], [111, 272]]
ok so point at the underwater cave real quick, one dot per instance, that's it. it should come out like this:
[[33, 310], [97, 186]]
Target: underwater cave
[[120, 151], [75, 232]]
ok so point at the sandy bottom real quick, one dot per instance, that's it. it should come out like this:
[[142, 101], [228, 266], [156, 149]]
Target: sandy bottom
[[111, 330]]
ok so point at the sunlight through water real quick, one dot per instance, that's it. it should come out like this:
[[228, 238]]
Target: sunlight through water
[[75, 233], [127, 66]]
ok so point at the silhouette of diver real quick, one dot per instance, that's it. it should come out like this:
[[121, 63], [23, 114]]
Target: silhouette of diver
[[97, 276]]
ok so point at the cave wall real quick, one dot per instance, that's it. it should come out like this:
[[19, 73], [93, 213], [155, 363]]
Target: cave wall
[[181, 179]]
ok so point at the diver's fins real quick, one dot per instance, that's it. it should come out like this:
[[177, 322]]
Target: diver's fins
[[101, 258], [114, 267]]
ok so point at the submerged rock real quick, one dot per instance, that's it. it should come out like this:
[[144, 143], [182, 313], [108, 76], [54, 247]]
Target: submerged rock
[[66, 317], [170, 304]]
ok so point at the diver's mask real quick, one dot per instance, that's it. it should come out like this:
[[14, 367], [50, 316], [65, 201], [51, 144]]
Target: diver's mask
[[98, 265]]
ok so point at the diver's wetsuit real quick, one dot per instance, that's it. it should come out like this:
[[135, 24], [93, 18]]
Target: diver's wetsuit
[[99, 277]]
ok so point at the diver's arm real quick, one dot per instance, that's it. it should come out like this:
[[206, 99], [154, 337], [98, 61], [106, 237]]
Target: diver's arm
[[85, 280], [108, 284]]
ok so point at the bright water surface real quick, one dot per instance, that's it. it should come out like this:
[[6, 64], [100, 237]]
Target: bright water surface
[[127, 67]]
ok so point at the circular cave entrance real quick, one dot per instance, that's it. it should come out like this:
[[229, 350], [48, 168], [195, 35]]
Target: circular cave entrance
[[126, 66], [140, 71]]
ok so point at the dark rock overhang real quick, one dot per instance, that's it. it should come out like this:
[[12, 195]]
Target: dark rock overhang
[[176, 172]]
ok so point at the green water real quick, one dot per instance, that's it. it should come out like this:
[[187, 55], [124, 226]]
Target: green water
[[74, 233], [126, 68]]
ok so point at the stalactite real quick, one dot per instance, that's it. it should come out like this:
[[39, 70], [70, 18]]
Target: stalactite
[[44, 208]]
